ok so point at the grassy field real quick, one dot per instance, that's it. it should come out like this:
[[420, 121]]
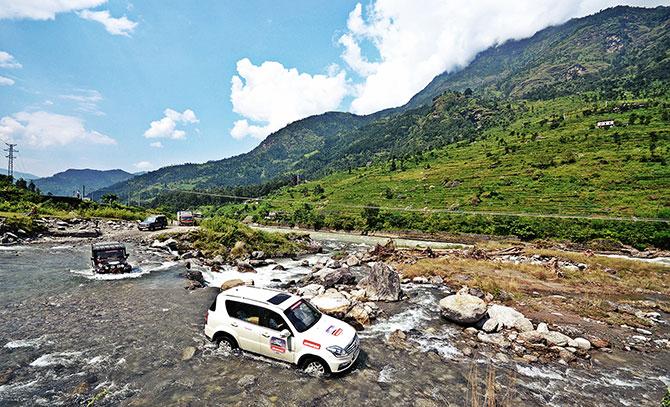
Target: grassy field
[[551, 160]]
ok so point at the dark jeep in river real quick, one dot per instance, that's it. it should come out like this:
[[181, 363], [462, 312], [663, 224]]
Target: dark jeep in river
[[110, 258]]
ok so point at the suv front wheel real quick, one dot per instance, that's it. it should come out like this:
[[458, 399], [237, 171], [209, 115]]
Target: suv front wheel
[[315, 367]]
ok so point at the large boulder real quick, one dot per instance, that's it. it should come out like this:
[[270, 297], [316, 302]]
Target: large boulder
[[463, 308], [382, 284], [508, 317], [169, 244], [340, 276], [359, 316], [231, 283], [311, 290], [332, 302]]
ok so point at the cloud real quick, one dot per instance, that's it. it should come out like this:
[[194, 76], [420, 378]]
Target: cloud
[[43, 129], [115, 26], [271, 96], [42, 9], [156, 144], [167, 126], [4, 81], [86, 99], [143, 165], [8, 61], [413, 42]]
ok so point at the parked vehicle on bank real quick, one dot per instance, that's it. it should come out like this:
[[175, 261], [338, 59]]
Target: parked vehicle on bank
[[281, 326], [110, 257], [185, 218], [153, 222]]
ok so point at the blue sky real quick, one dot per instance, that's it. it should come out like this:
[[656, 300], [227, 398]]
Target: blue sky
[[139, 85]]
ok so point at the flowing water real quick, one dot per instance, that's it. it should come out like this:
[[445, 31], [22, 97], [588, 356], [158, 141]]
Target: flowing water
[[68, 335]]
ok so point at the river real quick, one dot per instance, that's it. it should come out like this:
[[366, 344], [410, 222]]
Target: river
[[67, 336]]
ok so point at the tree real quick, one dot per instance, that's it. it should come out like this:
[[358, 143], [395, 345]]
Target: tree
[[21, 183], [31, 186], [109, 198], [371, 216]]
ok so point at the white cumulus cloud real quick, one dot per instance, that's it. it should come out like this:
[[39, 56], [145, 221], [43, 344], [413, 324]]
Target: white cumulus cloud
[[44, 129], [42, 9], [8, 61], [143, 165], [270, 96], [167, 126], [4, 81], [414, 41], [115, 26]]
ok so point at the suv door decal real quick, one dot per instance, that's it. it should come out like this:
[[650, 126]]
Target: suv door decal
[[278, 345]]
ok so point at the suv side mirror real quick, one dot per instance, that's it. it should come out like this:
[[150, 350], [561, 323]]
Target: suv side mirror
[[285, 333]]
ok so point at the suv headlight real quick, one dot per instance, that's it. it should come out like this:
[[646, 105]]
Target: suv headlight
[[337, 351]]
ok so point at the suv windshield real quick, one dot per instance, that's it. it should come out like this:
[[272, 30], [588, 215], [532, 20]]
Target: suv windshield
[[303, 315], [150, 219]]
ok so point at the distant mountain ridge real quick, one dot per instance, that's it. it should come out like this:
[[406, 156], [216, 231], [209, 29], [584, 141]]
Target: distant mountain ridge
[[24, 175], [66, 183], [621, 49]]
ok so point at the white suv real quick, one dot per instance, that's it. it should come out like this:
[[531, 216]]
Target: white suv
[[282, 326]]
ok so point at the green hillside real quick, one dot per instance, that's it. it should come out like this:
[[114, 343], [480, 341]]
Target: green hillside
[[619, 46], [67, 182], [549, 160], [619, 53]]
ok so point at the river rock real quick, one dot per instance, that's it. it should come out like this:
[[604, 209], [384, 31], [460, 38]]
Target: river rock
[[231, 283], [360, 314], [169, 244], [463, 308], [340, 276], [493, 339], [246, 380], [311, 290], [353, 261], [582, 343], [508, 317], [436, 280], [397, 339], [279, 267], [333, 264], [332, 302], [244, 267], [382, 284], [187, 353], [554, 338], [542, 328], [258, 255], [531, 337], [420, 280], [491, 325]]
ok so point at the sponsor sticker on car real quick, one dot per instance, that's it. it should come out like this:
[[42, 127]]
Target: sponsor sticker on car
[[311, 344], [278, 345], [333, 330]]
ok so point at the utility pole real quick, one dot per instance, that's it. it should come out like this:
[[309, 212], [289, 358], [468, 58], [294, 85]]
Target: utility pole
[[10, 163]]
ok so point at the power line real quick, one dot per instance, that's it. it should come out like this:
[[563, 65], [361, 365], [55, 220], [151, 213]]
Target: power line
[[432, 210], [10, 163]]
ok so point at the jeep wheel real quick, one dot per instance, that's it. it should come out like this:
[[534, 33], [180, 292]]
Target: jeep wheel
[[315, 367]]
